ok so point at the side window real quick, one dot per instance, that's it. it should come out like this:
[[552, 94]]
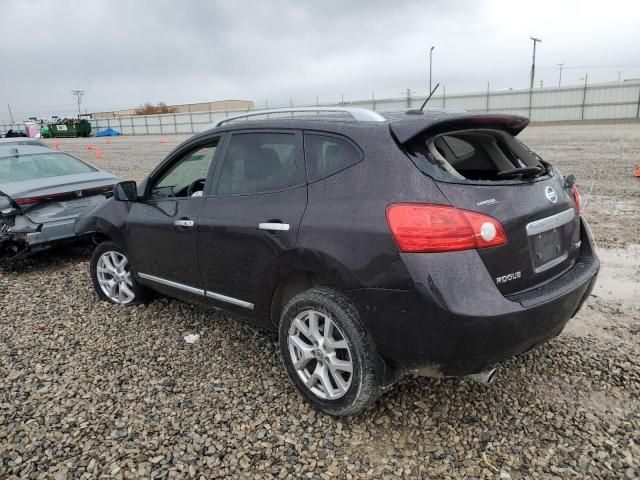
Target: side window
[[260, 162], [327, 155], [186, 178]]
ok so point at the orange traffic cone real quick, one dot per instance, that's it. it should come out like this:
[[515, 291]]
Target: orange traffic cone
[[162, 139], [98, 153], [638, 171], [90, 147]]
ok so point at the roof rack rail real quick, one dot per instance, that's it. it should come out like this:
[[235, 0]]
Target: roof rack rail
[[356, 113]]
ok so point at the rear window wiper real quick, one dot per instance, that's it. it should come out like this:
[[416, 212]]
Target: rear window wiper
[[522, 172]]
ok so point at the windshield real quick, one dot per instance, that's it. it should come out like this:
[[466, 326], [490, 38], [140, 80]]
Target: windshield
[[40, 165]]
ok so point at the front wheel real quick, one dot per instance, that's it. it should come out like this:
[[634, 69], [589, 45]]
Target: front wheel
[[327, 353], [111, 275]]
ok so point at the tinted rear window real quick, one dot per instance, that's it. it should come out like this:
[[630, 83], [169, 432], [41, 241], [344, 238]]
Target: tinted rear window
[[326, 155], [41, 165]]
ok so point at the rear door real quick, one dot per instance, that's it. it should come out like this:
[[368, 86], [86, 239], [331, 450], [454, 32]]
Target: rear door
[[249, 225]]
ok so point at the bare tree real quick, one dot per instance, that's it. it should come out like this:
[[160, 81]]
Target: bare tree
[[150, 109]]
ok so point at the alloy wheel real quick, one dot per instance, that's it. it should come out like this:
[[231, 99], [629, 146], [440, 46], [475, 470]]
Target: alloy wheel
[[320, 355], [114, 277]]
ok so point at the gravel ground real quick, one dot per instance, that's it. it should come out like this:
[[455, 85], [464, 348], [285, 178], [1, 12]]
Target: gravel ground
[[89, 389]]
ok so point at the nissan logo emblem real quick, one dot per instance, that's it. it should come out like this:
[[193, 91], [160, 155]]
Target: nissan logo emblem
[[551, 194]]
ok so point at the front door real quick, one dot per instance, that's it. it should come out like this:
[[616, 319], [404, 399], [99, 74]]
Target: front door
[[249, 227], [161, 233]]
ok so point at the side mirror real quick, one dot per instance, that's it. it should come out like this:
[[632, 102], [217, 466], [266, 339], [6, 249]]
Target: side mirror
[[126, 191]]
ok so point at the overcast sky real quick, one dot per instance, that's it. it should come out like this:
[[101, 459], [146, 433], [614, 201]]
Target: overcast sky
[[125, 53]]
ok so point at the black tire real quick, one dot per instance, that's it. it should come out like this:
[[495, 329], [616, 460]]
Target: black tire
[[141, 294], [363, 388]]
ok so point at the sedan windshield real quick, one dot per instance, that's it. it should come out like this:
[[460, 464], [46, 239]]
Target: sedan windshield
[[40, 165]]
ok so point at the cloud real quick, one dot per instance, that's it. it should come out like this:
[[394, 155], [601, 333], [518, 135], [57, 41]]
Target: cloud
[[125, 53]]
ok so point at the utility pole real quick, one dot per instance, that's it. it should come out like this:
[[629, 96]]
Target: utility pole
[[488, 87], [560, 74], [584, 95], [619, 75], [430, 65], [408, 98], [533, 73], [78, 94], [541, 83], [533, 64], [10, 114]]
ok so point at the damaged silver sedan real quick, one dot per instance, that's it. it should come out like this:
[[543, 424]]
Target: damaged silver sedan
[[42, 194]]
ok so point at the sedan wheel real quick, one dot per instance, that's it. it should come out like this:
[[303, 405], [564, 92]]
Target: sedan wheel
[[114, 277]]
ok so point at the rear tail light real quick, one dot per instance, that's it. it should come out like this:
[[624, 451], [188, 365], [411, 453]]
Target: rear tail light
[[577, 198], [441, 228], [107, 190]]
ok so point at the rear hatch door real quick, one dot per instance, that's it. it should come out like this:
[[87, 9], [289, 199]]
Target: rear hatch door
[[537, 212], [540, 221]]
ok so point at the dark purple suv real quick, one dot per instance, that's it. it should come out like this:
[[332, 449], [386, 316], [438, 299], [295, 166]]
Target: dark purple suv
[[430, 242]]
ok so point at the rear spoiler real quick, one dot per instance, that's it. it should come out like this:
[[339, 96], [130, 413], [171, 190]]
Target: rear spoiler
[[407, 129]]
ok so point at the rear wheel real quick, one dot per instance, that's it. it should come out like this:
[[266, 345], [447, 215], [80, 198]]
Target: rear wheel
[[111, 276], [327, 353]]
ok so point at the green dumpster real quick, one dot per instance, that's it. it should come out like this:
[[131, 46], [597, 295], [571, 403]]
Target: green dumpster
[[63, 130], [84, 128], [80, 128]]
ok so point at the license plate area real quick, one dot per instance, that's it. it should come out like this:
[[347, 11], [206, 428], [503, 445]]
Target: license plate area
[[547, 240], [548, 249]]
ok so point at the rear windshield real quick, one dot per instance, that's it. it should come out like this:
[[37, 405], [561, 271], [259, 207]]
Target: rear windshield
[[473, 155], [40, 165]]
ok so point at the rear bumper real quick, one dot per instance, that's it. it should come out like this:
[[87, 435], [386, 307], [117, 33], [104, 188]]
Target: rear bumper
[[32, 238], [456, 322]]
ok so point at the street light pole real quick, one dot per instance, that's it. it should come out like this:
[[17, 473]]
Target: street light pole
[[430, 65], [560, 74], [78, 94], [533, 64]]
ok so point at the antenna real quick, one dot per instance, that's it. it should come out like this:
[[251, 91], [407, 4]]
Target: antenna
[[420, 111]]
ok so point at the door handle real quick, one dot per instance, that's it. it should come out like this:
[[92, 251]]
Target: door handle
[[274, 226], [184, 223]]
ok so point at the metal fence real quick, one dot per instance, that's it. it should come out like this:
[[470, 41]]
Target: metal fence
[[586, 102]]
